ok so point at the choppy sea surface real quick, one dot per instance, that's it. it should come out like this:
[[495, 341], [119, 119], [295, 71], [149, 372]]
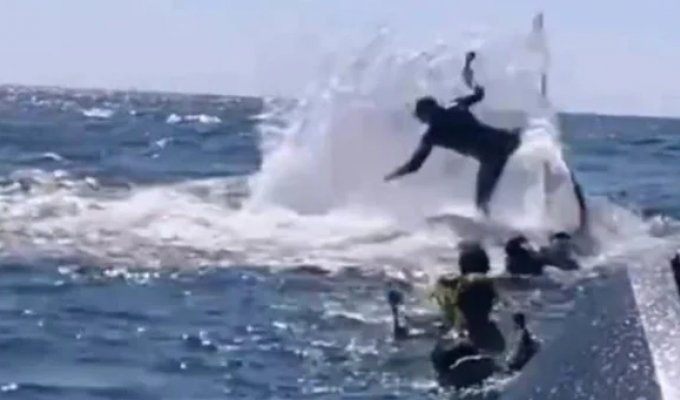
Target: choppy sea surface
[[144, 254]]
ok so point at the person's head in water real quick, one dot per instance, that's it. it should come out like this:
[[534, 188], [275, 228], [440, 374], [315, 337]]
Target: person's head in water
[[473, 259], [561, 241], [521, 259], [517, 246], [559, 253], [425, 109]]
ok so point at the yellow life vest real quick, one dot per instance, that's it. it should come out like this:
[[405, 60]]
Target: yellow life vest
[[445, 294]]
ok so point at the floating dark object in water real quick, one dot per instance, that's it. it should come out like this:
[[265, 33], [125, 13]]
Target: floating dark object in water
[[521, 259], [526, 349], [675, 267], [560, 252], [460, 364], [395, 298]]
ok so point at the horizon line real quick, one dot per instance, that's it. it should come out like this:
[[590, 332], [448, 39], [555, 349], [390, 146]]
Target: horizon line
[[55, 87]]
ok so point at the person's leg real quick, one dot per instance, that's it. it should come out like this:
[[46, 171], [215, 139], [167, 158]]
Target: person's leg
[[583, 208], [489, 172], [491, 164]]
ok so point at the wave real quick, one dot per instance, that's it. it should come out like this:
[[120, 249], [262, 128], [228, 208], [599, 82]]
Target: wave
[[98, 113], [200, 119], [52, 156], [210, 223]]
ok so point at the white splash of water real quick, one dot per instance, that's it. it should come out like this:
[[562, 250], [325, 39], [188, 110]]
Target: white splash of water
[[346, 135], [98, 113], [319, 197], [200, 118]]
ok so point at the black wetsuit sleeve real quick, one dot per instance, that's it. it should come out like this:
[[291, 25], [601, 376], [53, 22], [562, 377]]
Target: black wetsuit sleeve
[[416, 160], [469, 100], [419, 156]]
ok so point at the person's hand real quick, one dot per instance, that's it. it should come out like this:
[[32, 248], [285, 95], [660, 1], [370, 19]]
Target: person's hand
[[469, 57], [390, 176]]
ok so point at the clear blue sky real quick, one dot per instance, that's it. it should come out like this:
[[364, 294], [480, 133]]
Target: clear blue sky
[[617, 56]]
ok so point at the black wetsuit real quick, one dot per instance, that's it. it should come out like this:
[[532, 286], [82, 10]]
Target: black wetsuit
[[675, 267], [457, 129]]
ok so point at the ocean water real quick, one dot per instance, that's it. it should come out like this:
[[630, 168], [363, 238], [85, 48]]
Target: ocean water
[[165, 246], [118, 281]]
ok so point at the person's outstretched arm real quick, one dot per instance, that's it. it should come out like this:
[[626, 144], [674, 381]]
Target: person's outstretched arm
[[414, 164], [469, 79], [467, 73], [474, 98]]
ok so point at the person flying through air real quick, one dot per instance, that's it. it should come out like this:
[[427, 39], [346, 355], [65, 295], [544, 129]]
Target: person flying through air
[[456, 128]]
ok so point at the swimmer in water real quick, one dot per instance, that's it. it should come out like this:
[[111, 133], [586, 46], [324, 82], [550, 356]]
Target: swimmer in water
[[473, 263], [465, 360], [471, 355], [521, 259]]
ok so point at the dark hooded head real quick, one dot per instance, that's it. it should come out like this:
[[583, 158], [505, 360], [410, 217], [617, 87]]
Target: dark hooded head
[[560, 236], [521, 259], [560, 244], [473, 259], [517, 246], [425, 109]]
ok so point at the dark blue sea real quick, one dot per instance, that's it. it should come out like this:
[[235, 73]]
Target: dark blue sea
[[149, 251]]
